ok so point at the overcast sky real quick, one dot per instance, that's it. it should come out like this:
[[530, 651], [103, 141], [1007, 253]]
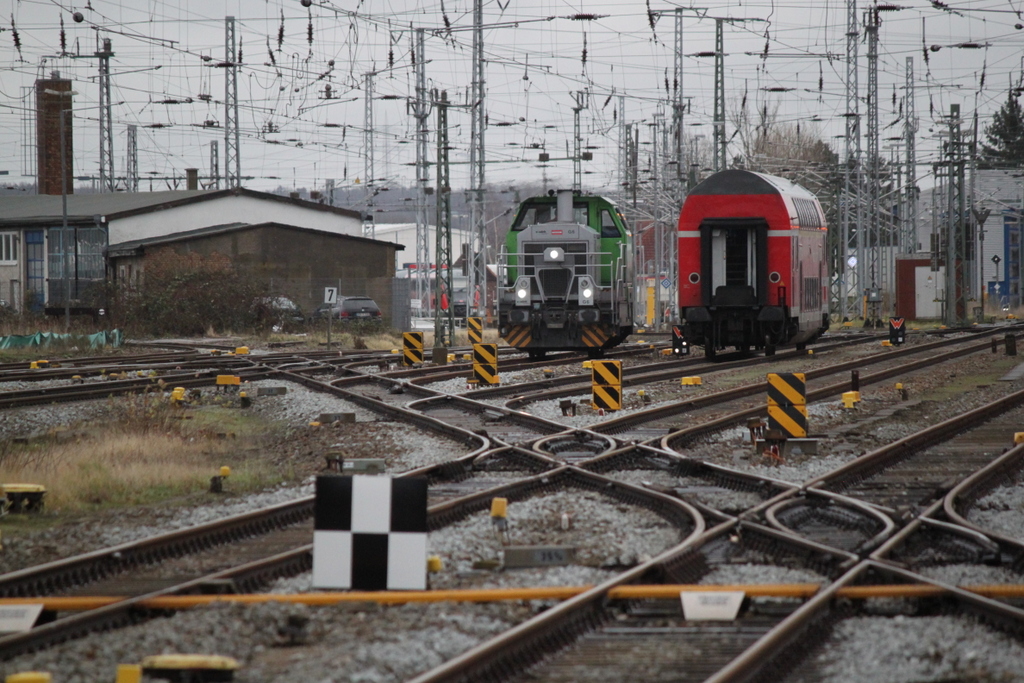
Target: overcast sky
[[539, 52]]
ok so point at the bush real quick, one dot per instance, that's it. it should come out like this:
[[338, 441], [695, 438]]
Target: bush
[[185, 294]]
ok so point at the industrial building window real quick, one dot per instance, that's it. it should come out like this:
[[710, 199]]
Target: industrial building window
[[8, 247]]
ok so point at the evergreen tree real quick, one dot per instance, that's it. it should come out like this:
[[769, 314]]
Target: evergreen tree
[[1005, 147]]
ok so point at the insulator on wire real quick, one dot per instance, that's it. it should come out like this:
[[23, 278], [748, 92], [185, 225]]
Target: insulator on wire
[[270, 52], [309, 29], [63, 36], [16, 37], [280, 33]]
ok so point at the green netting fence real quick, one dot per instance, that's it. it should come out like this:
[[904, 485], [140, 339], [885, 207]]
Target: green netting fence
[[93, 341]]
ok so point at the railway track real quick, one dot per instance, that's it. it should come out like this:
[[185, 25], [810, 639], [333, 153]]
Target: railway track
[[843, 527]]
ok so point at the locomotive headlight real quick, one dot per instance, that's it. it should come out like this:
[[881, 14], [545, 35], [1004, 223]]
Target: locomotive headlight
[[554, 255], [523, 291], [585, 291]]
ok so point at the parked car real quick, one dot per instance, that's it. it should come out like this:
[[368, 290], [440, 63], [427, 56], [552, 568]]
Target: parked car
[[350, 309], [278, 312]]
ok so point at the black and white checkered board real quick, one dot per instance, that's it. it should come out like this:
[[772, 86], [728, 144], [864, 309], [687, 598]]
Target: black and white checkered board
[[370, 533]]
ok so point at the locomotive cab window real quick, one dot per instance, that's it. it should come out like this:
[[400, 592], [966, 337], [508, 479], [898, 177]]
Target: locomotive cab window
[[535, 213], [608, 226]]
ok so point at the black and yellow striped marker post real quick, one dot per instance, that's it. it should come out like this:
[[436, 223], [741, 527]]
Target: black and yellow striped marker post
[[485, 364], [412, 348], [475, 328], [787, 404], [606, 378]]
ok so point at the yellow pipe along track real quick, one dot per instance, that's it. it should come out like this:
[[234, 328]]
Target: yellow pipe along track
[[638, 592]]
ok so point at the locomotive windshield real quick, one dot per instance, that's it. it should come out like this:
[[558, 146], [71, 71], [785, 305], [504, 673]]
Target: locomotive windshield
[[533, 213]]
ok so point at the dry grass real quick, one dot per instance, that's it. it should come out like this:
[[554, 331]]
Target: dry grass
[[145, 453]]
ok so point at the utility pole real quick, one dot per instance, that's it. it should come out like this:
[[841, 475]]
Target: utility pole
[[956, 237], [851, 261], [721, 143], [478, 251], [369, 172], [232, 137], [677, 111], [577, 156], [444, 310], [214, 165], [874, 249], [719, 119], [909, 241], [421, 112], [623, 148], [132, 165], [106, 118], [658, 227]]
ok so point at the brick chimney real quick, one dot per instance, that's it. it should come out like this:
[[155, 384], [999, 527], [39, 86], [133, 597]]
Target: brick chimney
[[48, 112]]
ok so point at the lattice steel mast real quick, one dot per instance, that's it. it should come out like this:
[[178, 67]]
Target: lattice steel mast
[[421, 112], [214, 165], [369, 172], [873, 250], [232, 137], [850, 274], [956, 237], [132, 165], [107, 183], [444, 311], [719, 118], [908, 244], [478, 252]]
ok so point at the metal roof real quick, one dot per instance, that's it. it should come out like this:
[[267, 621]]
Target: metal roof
[[137, 247], [46, 209]]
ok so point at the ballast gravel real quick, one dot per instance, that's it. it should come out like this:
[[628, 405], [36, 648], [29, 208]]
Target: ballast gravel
[[85, 535], [276, 642], [608, 536], [969, 574], [1001, 510], [738, 574], [903, 648], [691, 489]]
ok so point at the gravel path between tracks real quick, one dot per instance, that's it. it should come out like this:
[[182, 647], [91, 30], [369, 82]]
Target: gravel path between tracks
[[1001, 510], [692, 488], [350, 642], [969, 574], [881, 418], [903, 648], [608, 536]]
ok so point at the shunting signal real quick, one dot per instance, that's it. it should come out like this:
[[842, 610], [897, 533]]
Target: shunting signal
[[606, 378], [485, 364], [787, 404], [475, 329], [412, 348]]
